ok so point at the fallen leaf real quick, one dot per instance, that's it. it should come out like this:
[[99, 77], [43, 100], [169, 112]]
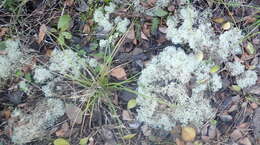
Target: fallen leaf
[[131, 104], [61, 141], [235, 88], [7, 114], [179, 142], [245, 141], [119, 73], [226, 26], [254, 105], [129, 136], [3, 31], [215, 69], [236, 134], [218, 20], [143, 36], [126, 115], [74, 113], [64, 131], [188, 134], [69, 2], [86, 29], [64, 22], [250, 49], [42, 33], [83, 141], [131, 34]]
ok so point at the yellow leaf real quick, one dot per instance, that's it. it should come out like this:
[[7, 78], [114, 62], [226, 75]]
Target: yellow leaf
[[226, 26], [61, 141], [83, 141], [188, 134], [214, 68], [129, 136], [250, 48], [235, 88], [218, 20], [131, 103]]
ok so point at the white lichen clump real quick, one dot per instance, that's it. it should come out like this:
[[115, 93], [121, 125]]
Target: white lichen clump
[[101, 17], [36, 125], [62, 64], [235, 68], [193, 28], [9, 61], [247, 79], [41, 75], [165, 81]]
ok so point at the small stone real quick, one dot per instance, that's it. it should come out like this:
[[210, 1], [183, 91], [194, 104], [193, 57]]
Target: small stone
[[226, 118], [254, 105]]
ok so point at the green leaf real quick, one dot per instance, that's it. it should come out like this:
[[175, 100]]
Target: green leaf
[[214, 68], [213, 122], [250, 48], [66, 35], [155, 24], [129, 136], [61, 141], [61, 40], [160, 12], [131, 103], [64, 22], [83, 141], [19, 73], [28, 77], [235, 88]]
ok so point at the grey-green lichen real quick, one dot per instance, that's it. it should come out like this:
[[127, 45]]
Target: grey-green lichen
[[166, 79], [36, 124], [10, 61]]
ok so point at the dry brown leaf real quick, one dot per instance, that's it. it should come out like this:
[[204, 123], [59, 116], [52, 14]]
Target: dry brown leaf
[[74, 113], [126, 115], [69, 2], [131, 34], [3, 31], [179, 142], [42, 33], [64, 131], [86, 29], [143, 36], [236, 134], [245, 141], [119, 73], [188, 133], [7, 114]]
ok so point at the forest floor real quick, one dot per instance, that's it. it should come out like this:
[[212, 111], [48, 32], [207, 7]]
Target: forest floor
[[109, 117]]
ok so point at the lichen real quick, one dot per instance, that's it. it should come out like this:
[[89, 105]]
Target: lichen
[[36, 125], [11, 60], [165, 80], [247, 79]]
